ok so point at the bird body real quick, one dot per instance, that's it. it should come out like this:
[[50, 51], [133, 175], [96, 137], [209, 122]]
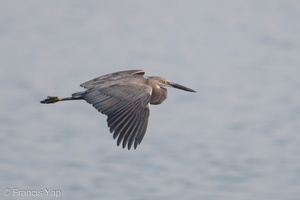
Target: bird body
[[125, 98]]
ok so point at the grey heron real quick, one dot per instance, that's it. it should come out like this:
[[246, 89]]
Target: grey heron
[[125, 98]]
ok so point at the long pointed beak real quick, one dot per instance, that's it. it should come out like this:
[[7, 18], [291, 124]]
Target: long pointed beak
[[181, 87]]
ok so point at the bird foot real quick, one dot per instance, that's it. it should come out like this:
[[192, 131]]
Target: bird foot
[[51, 99]]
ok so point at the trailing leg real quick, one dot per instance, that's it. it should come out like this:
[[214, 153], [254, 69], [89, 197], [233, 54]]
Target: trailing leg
[[51, 99]]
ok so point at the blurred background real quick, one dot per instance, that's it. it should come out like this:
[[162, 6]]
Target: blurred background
[[237, 138]]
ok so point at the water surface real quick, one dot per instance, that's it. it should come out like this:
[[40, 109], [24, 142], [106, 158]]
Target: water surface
[[237, 138]]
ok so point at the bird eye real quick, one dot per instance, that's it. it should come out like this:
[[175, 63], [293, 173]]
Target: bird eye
[[166, 82]]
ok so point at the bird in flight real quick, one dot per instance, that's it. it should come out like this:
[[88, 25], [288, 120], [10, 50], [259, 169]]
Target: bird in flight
[[125, 98]]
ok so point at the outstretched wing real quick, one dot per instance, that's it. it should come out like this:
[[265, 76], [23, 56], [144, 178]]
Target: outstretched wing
[[111, 78], [127, 106]]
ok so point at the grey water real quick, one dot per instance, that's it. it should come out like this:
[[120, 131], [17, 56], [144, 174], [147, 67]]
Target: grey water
[[238, 137]]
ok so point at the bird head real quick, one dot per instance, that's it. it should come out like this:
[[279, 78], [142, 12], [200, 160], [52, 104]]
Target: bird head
[[162, 82]]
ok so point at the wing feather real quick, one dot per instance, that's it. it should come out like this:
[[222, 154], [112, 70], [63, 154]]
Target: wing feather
[[122, 127], [139, 138], [131, 130], [132, 136], [126, 104], [111, 78]]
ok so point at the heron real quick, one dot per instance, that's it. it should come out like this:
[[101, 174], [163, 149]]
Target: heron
[[125, 98]]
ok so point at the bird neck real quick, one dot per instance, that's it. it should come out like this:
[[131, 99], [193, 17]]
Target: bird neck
[[158, 96]]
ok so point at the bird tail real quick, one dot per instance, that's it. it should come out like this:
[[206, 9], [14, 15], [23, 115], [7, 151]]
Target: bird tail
[[78, 95]]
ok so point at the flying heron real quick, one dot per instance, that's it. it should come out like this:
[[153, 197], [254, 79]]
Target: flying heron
[[125, 98]]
